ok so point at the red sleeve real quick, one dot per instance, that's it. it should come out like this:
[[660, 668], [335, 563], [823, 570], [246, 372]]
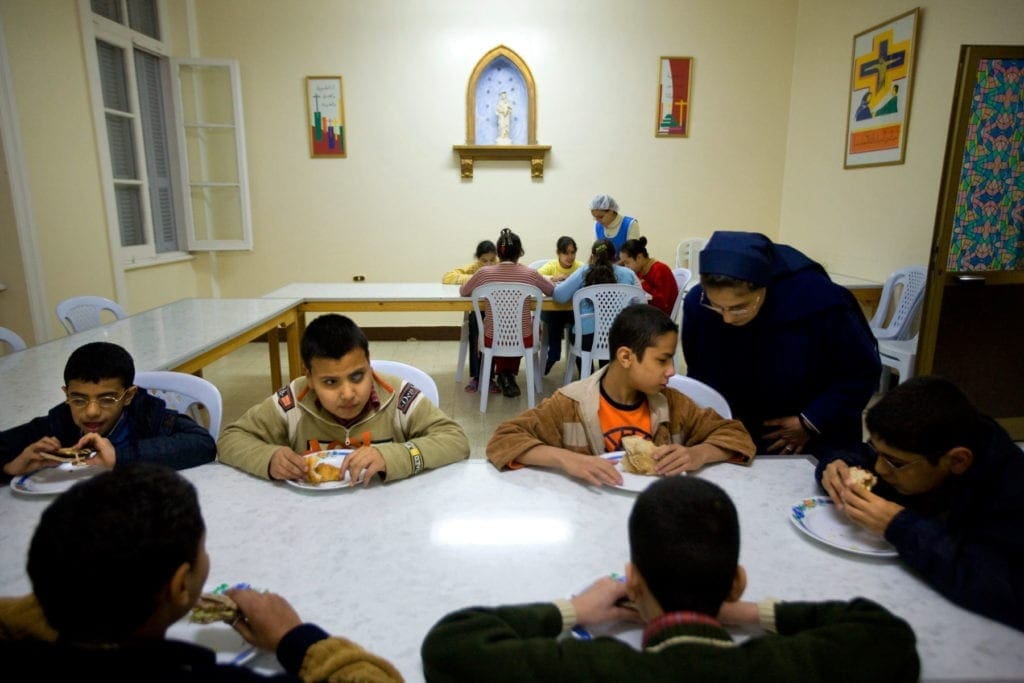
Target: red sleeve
[[660, 283]]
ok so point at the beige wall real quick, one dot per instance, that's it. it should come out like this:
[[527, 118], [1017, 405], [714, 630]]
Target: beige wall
[[765, 151], [870, 221]]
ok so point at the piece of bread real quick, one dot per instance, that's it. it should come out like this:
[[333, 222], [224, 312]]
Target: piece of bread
[[318, 471], [859, 475], [212, 607], [68, 454], [638, 458]]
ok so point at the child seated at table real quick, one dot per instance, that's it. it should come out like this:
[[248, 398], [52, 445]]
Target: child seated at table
[[393, 428], [684, 582], [105, 412], [486, 255], [114, 562], [629, 396], [508, 269], [656, 278], [951, 495], [558, 269]]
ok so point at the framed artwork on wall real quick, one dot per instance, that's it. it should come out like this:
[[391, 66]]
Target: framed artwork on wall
[[881, 79], [325, 116], [675, 74]]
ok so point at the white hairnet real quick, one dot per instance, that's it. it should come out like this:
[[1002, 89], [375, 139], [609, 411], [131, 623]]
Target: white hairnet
[[604, 202]]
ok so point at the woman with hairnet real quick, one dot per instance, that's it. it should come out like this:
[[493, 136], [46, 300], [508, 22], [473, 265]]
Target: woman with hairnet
[[610, 224]]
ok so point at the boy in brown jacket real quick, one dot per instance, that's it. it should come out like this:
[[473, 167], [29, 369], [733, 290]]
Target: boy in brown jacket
[[630, 396]]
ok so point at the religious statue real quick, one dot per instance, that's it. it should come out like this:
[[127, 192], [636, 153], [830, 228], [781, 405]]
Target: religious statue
[[504, 111]]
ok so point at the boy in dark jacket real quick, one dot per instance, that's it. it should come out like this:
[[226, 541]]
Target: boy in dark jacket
[[684, 582], [106, 412], [951, 495]]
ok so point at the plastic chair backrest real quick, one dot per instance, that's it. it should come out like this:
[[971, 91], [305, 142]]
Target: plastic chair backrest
[[688, 254], [505, 302], [701, 394], [539, 262], [12, 339], [83, 312], [683, 276], [899, 307], [184, 393], [411, 374], [606, 302]]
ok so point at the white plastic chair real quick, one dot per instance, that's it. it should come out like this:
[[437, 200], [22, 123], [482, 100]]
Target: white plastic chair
[[184, 393], [12, 339], [701, 394], [688, 254], [898, 355], [683, 276], [463, 346], [83, 312], [411, 374], [899, 308], [606, 301], [504, 302]]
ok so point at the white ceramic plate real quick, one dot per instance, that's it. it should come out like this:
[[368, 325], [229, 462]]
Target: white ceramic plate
[[231, 648], [629, 633], [53, 480], [333, 457], [819, 518], [630, 481]]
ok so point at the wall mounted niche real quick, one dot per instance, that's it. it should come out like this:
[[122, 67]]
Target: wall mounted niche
[[501, 114]]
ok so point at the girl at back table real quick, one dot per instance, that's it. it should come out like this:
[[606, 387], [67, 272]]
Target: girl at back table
[[656, 278]]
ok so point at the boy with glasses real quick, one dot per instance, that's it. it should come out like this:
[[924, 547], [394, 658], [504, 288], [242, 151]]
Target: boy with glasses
[[950, 496], [106, 413]]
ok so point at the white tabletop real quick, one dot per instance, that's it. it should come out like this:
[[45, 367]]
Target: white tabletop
[[368, 291], [158, 339], [381, 565]]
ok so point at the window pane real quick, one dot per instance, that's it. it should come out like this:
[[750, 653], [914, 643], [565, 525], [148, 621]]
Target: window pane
[[142, 17], [112, 76], [129, 216], [212, 155], [152, 110], [111, 9], [217, 213], [206, 94], [122, 147]]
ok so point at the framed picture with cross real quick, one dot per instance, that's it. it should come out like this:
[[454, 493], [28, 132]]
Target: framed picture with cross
[[879, 99], [325, 116], [675, 75]]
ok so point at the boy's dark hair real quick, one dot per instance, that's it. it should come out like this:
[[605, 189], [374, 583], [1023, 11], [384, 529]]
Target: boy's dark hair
[[510, 247], [714, 281], [684, 538], [97, 361], [563, 244], [104, 550], [485, 247], [331, 336], [637, 327], [635, 247], [927, 416], [601, 270]]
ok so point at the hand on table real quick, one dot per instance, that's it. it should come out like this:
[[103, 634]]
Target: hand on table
[[362, 464], [287, 464], [600, 603], [672, 459], [31, 459], [789, 435], [872, 512], [738, 613], [592, 469], [264, 618]]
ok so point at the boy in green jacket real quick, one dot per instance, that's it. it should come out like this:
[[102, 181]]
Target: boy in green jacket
[[393, 429], [684, 582]]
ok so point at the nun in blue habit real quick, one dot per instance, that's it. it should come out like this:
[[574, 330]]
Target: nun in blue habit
[[788, 348]]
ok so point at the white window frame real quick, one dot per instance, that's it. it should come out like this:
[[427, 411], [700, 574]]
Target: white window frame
[[238, 125], [97, 28]]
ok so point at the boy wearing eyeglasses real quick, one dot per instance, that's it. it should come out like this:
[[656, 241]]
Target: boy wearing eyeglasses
[[950, 496], [106, 413]]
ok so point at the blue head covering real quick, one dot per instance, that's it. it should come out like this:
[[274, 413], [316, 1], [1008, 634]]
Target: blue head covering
[[752, 257]]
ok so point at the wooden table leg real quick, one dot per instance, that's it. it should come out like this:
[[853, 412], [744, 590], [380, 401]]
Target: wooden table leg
[[273, 347]]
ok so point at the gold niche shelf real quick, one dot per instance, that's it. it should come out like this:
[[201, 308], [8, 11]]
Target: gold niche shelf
[[532, 153]]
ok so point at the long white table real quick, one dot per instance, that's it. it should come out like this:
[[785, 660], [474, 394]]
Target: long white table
[[185, 335], [383, 564]]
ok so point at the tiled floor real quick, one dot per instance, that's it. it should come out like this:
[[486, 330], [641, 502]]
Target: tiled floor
[[243, 378]]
